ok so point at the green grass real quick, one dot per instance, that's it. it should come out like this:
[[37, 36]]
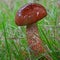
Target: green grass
[[13, 41]]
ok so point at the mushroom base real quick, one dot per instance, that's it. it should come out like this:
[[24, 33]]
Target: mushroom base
[[34, 41]]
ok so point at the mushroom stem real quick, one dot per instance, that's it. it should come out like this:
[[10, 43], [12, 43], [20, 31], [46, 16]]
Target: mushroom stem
[[34, 41]]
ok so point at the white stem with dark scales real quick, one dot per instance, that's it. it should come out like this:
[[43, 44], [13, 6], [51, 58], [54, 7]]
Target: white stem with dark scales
[[34, 41]]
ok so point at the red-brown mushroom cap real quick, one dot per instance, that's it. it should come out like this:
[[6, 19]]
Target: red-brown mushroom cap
[[30, 14]]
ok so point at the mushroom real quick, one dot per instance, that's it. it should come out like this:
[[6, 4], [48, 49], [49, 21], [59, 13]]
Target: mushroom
[[27, 16]]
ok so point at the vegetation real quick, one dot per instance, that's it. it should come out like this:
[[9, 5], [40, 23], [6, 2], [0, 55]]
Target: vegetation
[[13, 41]]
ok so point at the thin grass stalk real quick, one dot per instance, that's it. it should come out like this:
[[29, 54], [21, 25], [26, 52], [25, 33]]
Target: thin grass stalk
[[6, 42]]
